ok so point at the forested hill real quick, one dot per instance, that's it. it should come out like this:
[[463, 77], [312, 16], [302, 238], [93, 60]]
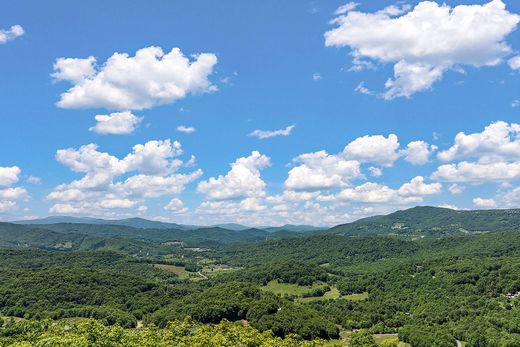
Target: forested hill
[[89, 237], [128, 222], [426, 220]]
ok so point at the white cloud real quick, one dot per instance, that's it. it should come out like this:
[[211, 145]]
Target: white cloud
[[346, 8], [363, 90], [515, 103], [511, 198], [418, 152], [227, 208], [148, 171], [154, 157], [153, 186], [186, 129], [242, 181], [321, 170], [9, 194], [176, 205], [496, 152], [7, 206], [499, 140], [477, 172], [450, 206], [264, 134], [316, 76], [292, 196], [375, 193], [417, 187], [34, 180], [456, 189], [11, 33], [425, 42], [375, 171], [123, 82], [375, 149], [484, 203], [117, 123], [74, 70], [9, 175], [88, 159], [192, 162], [514, 62], [116, 203], [12, 193]]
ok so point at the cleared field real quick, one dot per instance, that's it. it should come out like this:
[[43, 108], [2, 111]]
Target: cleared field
[[215, 270], [335, 294], [178, 270], [276, 287], [356, 297], [389, 338]]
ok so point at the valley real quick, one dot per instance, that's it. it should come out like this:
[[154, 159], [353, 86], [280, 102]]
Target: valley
[[315, 287]]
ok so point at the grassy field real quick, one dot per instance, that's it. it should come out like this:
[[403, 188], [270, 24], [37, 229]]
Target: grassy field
[[216, 269], [356, 297], [335, 294], [389, 338], [289, 288]]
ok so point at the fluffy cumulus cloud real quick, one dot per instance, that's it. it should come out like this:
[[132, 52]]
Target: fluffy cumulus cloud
[[11, 33], [321, 170], [491, 155], [149, 78], [117, 123], [111, 183], [176, 206], [514, 62], [242, 181], [376, 193], [498, 141], [9, 175], [264, 134], [484, 203], [375, 149], [9, 195], [418, 152], [424, 42]]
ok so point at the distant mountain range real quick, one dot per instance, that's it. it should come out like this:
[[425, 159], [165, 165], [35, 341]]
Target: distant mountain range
[[137, 235], [150, 224], [426, 220], [130, 222]]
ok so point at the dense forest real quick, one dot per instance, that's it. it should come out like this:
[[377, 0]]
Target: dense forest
[[316, 288]]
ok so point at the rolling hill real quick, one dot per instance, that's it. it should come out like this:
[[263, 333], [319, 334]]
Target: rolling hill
[[427, 220], [129, 222], [142, 223], [87, 237]]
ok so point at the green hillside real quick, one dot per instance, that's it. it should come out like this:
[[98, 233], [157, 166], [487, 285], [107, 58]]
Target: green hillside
[[426, 220]]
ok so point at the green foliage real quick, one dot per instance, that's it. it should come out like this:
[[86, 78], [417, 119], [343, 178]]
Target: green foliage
[[177, 334], [431, 291], [362, 338]]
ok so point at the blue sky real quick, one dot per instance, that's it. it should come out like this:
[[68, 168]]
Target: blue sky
[[264, 66]]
